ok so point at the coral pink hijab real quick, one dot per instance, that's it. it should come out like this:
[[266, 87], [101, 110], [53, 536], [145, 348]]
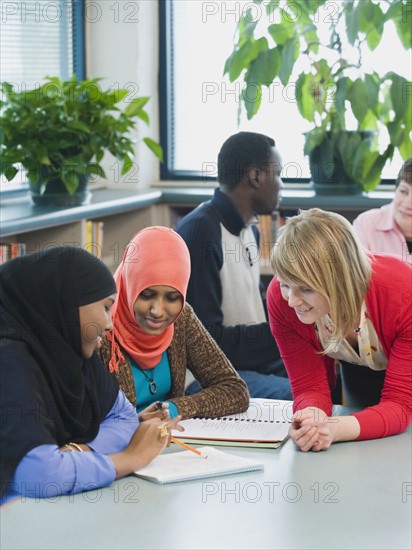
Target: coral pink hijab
[[154, 256]]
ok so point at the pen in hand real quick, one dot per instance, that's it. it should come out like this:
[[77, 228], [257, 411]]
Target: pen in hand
[[188, 447], [159, 407], [162, 408]]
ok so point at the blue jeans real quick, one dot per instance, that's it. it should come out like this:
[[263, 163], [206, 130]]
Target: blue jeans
[[269, 386]]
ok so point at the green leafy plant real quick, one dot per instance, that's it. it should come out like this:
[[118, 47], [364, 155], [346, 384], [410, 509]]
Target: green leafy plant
[[326, 91], [61, 130]]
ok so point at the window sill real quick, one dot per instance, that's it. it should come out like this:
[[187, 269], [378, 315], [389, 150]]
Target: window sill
[[20, 215]]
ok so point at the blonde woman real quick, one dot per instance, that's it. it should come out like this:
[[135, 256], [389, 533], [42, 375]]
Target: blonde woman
[[331, 300]]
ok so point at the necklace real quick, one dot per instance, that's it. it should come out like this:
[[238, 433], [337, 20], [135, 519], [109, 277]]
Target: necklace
[[150, 379]]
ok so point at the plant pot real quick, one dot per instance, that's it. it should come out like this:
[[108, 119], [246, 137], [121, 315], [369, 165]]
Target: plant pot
[[329, 170], [56, 193], [330, 178]]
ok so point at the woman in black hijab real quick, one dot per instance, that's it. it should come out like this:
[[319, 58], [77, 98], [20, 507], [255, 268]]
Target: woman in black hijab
[[55, 394]]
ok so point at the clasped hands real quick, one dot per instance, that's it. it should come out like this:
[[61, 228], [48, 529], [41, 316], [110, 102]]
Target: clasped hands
[[312, 429]]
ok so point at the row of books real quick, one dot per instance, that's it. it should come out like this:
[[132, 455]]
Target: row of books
[[93, 240], [8, 251], [94, 237], [269, 225]]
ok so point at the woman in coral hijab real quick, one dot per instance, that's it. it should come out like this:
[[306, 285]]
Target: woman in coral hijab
[[156, 336]]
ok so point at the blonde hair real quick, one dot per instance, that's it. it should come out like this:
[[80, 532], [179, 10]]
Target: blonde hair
[[319, 249]]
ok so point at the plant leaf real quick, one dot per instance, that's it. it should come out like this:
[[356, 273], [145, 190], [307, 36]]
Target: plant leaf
[[9, 171], [288, 60], [373, 168], [135, 106], [405, 148], [246, 26], [371, 21], [304, 98], [395, 133], [78, 125], [352, 22], [370, 122], [95, 168], [252, 98], [281, 33], [343, 86], [143, 116], [120, 94], [398, 12], [264, 68], [313, 139], [358, 97], [244, 56], [154, 147], [71, 181], [398, 93]]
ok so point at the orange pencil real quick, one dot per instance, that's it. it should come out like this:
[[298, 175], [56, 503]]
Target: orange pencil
[[186, 446]]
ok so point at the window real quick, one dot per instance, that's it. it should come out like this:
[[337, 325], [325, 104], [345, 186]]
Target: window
[[199, 106], [41, 38], [38, 39]]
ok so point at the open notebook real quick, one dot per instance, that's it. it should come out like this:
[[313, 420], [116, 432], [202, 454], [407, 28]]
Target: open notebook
[[265, 424], [186, 466]]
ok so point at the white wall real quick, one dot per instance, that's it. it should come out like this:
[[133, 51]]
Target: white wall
[[122, 47]]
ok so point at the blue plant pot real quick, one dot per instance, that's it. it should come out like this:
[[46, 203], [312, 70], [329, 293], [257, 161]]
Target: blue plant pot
[[56, 193]]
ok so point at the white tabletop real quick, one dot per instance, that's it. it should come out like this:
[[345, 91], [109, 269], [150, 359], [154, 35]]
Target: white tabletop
[[356, 495]]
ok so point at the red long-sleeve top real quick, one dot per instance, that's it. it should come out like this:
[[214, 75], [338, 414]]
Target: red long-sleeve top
[[389, 307]]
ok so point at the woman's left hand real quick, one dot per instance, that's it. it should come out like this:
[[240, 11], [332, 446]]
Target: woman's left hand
[[154, 411], [325, 433], [322, 428]]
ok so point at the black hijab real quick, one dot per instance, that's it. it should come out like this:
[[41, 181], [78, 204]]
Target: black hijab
[[49, 393]]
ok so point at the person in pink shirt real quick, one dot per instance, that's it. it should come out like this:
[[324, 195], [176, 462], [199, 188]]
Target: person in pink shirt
[[388, 230], [332, 300]]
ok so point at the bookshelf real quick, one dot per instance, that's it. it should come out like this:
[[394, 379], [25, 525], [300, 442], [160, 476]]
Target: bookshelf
[[122, 213], [119, 214]]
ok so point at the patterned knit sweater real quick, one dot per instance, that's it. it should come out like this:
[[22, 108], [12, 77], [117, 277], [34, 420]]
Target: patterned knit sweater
[[224, 392]]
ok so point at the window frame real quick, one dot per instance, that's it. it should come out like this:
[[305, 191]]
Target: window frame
[[79, 40], [166, 112]]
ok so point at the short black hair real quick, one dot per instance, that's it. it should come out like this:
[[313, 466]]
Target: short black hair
[[405, 173], [238, 153]]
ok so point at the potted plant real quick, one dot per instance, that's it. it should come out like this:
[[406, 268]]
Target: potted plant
[[331, 85], [60, 131]]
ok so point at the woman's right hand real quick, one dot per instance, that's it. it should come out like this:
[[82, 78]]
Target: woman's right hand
[[146, 443]]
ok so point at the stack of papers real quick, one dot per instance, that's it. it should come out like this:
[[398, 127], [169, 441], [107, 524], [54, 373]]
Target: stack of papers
[[265, 424]]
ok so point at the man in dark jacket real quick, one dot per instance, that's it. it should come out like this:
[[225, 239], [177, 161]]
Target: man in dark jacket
[[225, 287]]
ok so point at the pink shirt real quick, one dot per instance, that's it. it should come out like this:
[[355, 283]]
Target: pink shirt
[[378, 233]]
